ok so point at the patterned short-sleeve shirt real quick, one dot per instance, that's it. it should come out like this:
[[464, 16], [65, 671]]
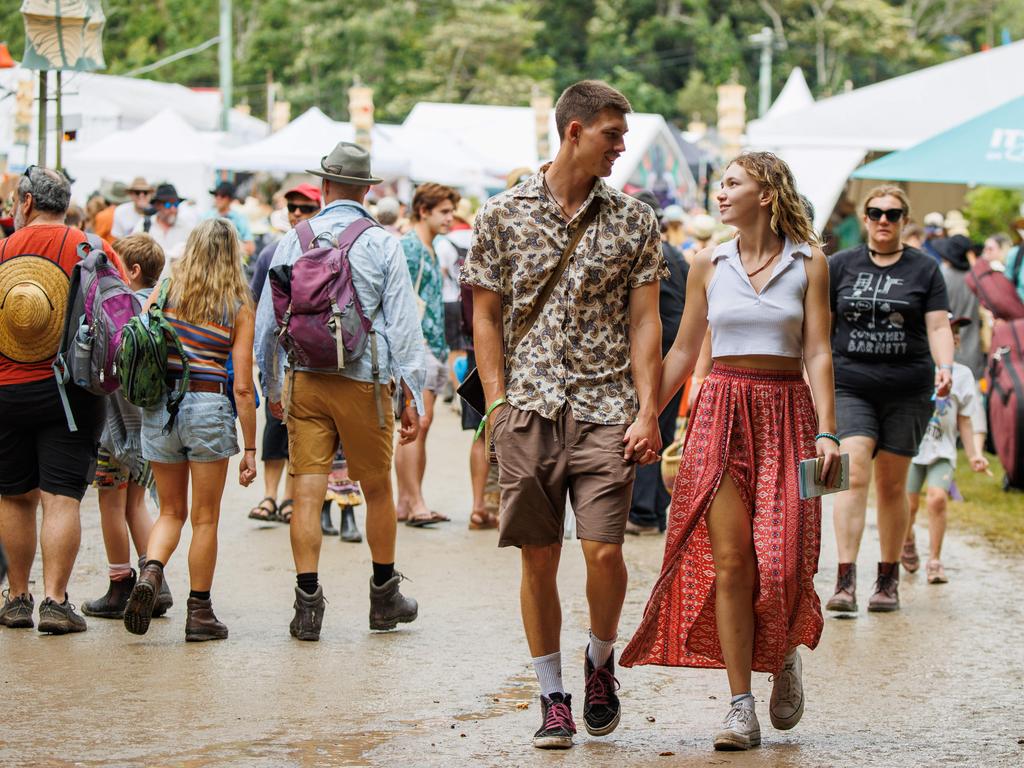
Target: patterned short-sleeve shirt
[[421, 260], [577, 353]]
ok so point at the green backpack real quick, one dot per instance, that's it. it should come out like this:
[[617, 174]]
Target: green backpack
[[142, 360]]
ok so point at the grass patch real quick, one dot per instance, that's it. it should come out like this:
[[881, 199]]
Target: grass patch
[[987, 510]]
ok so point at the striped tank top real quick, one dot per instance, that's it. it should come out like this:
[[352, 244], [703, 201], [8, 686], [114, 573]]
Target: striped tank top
[[206, 346]]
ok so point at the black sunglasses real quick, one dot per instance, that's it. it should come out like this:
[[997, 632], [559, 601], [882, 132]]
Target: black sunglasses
[[28, 175], [892, 215], [297, 208]]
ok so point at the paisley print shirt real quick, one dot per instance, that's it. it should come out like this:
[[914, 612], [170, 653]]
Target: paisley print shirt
[[416, 254], [577, 353]]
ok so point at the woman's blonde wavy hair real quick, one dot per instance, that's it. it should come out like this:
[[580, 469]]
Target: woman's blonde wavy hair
[[206, 283], [789, 215]]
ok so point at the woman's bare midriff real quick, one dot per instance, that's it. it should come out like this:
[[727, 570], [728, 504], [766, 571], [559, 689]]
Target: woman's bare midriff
[[762, 362]]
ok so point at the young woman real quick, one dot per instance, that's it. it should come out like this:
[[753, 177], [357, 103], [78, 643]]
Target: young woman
[[893, 349], [210, 307], [736, 501]]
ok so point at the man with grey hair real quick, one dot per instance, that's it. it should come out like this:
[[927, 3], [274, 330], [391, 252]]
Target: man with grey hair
[[41, 459]]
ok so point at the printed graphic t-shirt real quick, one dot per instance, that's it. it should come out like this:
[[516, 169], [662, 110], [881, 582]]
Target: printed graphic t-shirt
[[880, 338], [940, 437]]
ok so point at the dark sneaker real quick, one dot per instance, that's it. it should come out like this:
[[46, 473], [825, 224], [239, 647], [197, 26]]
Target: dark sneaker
[[17, 611], [887, 589], [111, 605], [201, 623], [845, 598], [139, 610], [601, 708], [59, 618], [388, 606], [309, 614], [557, 726]]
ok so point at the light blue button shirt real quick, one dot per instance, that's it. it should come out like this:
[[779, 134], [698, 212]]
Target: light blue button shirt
[[382, 282]]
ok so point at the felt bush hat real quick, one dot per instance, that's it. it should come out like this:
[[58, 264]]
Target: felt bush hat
[[348, 163], [33, 296], [139, 184]]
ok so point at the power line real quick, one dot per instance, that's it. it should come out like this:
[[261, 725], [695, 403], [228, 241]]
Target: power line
[[174, 57]]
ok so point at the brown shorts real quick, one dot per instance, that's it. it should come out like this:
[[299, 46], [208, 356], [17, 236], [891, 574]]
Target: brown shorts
[[324, 408], [540, 460]]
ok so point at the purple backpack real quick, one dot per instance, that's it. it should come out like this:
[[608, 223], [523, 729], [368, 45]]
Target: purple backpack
[[320, 321]]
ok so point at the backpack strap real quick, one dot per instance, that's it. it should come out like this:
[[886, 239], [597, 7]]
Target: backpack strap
[[305, 233], [174, 397], [61, 371]]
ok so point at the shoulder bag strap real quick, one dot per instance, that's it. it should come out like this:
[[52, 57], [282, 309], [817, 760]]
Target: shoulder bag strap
[[305, 233], [549, 287]]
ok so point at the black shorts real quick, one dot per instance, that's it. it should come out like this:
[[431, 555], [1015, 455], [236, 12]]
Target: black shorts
[[470, 418], [453, 335], [275, 439], [895, 422], [37, 450]]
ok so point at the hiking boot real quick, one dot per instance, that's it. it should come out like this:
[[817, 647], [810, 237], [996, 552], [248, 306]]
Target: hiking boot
[[326, 526], [936, 573], [601, 709], [740, 730], [887, 589], [388, 606], [787, 703], [201, 623], [309, 614], [349, 529], [164, 600], [910, 559], [139, 610], [59, 618], [557, 726], [111, 605], [845, 598], [17, 611]]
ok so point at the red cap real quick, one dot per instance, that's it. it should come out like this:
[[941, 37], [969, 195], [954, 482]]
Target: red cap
[[306, 190]]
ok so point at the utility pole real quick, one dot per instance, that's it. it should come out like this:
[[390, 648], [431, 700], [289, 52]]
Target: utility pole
[[765, 38], [225, 51], [43, 76]]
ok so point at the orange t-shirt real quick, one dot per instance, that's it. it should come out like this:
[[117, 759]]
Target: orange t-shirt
[[59, 244], [104, 222]]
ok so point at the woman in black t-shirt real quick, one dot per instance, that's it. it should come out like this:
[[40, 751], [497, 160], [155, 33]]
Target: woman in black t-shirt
[[892, 348]]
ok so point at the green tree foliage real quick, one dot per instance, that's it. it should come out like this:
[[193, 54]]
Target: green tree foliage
[[666, 55], [991, 210]]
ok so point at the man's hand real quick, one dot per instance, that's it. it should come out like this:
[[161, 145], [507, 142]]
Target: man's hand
[[247, 468], [410, 428], [643, 440], [276, 409]]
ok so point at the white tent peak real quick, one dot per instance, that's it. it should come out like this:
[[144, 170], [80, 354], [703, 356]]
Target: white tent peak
[[795, 95]]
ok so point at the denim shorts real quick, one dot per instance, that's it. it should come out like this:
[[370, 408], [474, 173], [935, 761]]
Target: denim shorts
[[203, 431]]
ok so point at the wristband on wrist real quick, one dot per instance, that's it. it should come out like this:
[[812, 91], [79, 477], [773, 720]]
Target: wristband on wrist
[[946, 367], [483, 421], [829, 435], [250, 449]]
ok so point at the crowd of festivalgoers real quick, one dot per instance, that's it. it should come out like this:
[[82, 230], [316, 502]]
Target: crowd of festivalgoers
[[592, 324]]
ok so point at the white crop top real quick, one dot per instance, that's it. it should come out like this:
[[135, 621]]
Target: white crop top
[[744, 322]]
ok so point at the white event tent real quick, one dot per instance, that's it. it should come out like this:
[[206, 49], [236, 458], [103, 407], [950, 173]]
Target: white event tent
[[824, 142]]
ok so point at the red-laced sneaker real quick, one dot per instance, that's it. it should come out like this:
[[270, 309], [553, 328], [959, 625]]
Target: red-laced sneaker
[[557, 726]]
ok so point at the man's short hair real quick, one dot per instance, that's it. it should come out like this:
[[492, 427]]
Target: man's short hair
[[143, 250], [431, 195], [584, 101], [51, 192]]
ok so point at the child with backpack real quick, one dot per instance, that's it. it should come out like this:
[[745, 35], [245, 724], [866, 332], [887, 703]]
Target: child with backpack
[[206, 310], [123, 477]]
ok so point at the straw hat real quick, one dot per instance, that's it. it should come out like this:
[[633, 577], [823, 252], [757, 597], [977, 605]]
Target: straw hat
[[33, 294], [139, 184]]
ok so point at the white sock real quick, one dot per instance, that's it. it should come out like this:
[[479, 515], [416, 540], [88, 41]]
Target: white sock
[[746, 699], [549, 673], [599, 650]]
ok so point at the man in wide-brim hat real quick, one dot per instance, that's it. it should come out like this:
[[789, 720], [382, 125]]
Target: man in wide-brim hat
[[166, 225], [129, 214], [351, 404]]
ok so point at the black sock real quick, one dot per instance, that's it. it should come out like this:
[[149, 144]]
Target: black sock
[[157, 563], [199, 595], [382, 572], [308, 582]]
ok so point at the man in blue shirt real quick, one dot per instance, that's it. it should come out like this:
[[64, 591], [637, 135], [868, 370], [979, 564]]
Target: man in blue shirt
[[223, 196], [327, 406]]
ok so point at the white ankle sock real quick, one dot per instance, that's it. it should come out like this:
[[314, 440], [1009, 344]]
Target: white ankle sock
[[746, 699], [599, 650], [549, 673]]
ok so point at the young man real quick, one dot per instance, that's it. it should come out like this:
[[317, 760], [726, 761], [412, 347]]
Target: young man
[[325, 406], [433, 208], [573, 408], [224, 194]]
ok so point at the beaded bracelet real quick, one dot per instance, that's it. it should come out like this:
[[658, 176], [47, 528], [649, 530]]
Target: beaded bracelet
[[829, 435]]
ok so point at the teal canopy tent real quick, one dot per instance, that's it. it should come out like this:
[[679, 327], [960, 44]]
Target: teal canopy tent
[[987, 150]]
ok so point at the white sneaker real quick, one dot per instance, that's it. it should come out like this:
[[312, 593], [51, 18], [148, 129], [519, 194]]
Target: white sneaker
[[740, 730], [787, 703]]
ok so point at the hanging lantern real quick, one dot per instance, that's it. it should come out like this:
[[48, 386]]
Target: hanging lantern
[[63, 34], [6, 62]]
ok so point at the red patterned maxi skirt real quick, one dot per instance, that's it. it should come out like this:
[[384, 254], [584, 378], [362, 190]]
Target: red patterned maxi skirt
[[757, 426]]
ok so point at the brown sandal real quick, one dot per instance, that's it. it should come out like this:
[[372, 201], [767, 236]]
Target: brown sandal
[[482, 521]]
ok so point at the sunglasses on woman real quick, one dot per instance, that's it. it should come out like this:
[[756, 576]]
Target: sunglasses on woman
[[298, 208], [892, 215]]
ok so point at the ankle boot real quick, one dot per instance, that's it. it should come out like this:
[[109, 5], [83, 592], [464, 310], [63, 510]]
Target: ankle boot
[[326, 526], [845, 598], [887, 589], [164, 600], [309, 614], [388, 606], [201, 623], [139, 609], [349, 529], [112, 604]]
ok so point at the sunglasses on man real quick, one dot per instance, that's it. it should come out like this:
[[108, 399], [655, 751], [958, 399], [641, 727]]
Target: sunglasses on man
[[166, 204], [892, 215], [299, 208]]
